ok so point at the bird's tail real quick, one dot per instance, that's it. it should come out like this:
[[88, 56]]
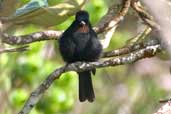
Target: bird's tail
[[86, 87]]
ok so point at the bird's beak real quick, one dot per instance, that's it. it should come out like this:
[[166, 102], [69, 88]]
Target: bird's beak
[[83, 23]]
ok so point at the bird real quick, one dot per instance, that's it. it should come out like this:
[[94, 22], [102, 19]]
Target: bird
[[79, 42]]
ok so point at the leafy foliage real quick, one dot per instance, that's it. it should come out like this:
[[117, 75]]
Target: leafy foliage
[[116, 88]]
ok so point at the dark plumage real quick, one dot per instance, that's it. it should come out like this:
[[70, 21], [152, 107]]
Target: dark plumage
[[79, 43]]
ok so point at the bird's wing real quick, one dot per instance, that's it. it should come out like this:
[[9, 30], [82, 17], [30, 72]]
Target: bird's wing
[[67, 48]]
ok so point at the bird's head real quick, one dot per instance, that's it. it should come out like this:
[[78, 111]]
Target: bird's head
[[82, 17]]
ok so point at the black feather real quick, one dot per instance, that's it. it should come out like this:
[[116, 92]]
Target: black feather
[[86, 87], [80, 43]]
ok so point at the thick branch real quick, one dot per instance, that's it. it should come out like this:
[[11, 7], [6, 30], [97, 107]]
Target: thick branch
[[80, 66], [34, 37]]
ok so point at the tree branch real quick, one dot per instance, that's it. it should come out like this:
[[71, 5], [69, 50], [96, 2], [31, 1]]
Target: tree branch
[[129, 49], [143, 14], [35, 96], [133, 45], [111, 19], [19, 49], [34, 37]]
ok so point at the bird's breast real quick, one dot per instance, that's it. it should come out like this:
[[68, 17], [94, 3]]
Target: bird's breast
[[81, 40], [83, 29]]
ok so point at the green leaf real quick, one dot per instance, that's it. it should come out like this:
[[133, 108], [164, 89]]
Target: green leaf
[[37, 14], [17, 97], [32, 5]]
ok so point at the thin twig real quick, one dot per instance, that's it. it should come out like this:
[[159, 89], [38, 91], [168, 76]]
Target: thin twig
[[132, 45], [111, 19], [139, 37], [164, 100], [128, 49], [143, 14], [19, 49]]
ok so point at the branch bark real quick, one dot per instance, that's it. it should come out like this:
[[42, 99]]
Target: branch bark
[[34, 37]]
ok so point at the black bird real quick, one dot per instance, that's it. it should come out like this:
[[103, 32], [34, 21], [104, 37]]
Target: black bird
[[80, 43]]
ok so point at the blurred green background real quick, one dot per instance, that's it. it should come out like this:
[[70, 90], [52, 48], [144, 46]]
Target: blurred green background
[[127, 89]]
